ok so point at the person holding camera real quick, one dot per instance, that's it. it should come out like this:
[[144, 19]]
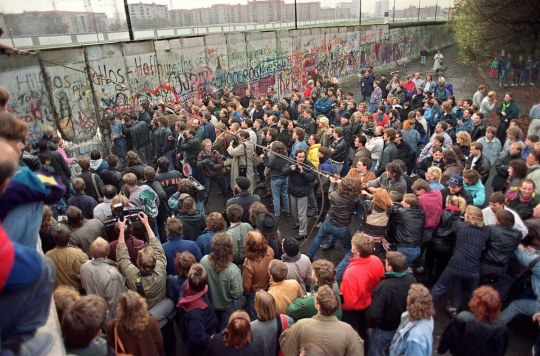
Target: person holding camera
[[241, 150], [301, 174], [189, 148], [210, 163]]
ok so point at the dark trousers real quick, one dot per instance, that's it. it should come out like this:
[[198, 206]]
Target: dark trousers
[[437, 257], [357, 319], [208, 182], [501, 131]]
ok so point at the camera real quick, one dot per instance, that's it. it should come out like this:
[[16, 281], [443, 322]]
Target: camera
[[119, 212], [234, 140]]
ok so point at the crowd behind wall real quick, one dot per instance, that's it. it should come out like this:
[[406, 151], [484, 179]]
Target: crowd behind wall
[[74, 89]]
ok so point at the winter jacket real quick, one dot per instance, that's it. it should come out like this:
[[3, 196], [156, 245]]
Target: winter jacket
[[534, 175], [238, 233], [524, 209], [502, 242], [98, 165], [445, 233], [339, 149], [300, 183], [470, 243], [139, 136], [389, 301], [478, 193], [396, 188], [477, 131], [91, 189], [210, 164], [67, 261], [255, 272], [137, 169], [59, 165], [197, 326], [366, 84], [388, 155], [430, 203], [312, 155], [190, 149], [511, 110], [101, 276], [164, 144], [225, 287], [465, 126], [482, 166], [85, 203], [176, 245], [342, 208], [244, 199], [407, 224], [169, 181], [323, 106], [359, 281], [500, 180], [83, 236], [466, 336], [276, 165], [193, 225], [112, 177]]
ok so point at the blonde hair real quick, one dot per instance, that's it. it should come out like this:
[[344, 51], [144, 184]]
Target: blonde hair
[[474, 215], [419, 303], [465, 138], [146, 259], [454, 200], [435, 172], [265, 306], [99, 248], [324, 120]]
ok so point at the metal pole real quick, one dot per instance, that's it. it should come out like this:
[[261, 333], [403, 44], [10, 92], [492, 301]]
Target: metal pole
[[94, 18], [394, 13], [360, 15], [419, 9], [11, 35], [128, 21], [295, 16], [436, 6]]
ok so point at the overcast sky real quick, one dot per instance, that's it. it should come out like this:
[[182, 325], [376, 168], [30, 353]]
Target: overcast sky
[[11, 6]]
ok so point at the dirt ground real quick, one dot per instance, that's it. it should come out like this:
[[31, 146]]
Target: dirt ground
[[465, 80]]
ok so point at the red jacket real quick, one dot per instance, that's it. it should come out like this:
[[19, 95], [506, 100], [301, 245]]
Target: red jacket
[[359, 281], [384, 118], [431, 203], [7, 256]]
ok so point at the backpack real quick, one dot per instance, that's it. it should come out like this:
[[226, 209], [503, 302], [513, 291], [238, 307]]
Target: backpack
[[149, 202]]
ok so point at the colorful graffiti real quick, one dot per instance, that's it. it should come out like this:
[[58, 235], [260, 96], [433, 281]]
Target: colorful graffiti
[[102, 80]]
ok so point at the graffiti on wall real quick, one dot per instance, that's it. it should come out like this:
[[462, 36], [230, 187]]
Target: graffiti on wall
[[192, 68]]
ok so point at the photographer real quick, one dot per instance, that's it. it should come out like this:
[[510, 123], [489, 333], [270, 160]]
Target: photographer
[[242, 155], [210, 163], [189, 147]]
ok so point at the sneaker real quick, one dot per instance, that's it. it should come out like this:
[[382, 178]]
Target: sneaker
[[296, 226], [287, 214], [260, 185], [327, 246], [522, 84], [301, 237], [418, 270], [414, 175], [318, 226], [506, 85], [513, 85], [312, 213]]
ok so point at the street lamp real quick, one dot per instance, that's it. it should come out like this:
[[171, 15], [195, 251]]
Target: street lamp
[[394, 13]]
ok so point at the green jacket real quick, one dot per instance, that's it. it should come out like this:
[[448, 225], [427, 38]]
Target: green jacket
[[303, 308], [154, 284], [225, 287], [511, 109], [238, 234]]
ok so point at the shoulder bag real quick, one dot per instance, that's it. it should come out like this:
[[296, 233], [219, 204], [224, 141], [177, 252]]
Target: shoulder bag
[[118, 345]]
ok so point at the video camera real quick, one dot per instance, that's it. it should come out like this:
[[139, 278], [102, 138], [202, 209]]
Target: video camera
[[119, 212]]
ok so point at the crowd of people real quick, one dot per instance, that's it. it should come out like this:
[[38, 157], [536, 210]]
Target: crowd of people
[[132, 249]]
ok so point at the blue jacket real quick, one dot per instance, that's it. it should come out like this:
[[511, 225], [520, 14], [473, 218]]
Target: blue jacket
[[209, 132], [478, 193], [415, 338], [367, 88], [179, 245], [525, 258], [297, 145], [323, 106], [466, 126], [204, 242], [436, 115]]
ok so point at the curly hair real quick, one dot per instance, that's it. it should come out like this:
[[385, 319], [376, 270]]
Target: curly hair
[[382, 199], [183, 262], [474, 215], [465, 138], [519, 168], [132, 158], [132, 313], [222, 251], [485, 304], [472, 176], [255, 246], [279, 148], [47, 220], [256, 209], [325, 272], [215, 222], [419, 303], [349, 186]]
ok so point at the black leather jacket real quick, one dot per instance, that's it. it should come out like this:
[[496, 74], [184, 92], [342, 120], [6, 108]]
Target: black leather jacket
[[339, 149], [342, 207], [501, 244], [112, 177], [446, 232], [406, 225], [483, 166], [300, 183]]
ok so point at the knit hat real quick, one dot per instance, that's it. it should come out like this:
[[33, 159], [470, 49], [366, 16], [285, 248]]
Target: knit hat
[[291, 246], [266, 224], [346, 116], [243, 183], [455, 181]]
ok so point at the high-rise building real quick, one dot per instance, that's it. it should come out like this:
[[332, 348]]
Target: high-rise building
[[142, 11], [381, 6]]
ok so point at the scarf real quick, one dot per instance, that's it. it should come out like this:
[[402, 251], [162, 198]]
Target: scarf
[[515, 195], [380, 117], [192, 300]]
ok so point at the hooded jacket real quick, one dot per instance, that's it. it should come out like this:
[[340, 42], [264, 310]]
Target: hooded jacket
[[193, 225]]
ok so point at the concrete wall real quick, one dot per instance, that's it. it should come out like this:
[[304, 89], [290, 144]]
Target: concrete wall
[[74, 88]]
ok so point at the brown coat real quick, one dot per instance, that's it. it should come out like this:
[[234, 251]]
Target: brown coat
[[455, 168], [150, 343], [255, 273], [67, 261]]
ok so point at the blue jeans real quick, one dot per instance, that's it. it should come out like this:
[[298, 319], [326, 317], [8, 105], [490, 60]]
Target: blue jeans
[[459, 279], [345, 262], [373, 165], [327, 229], [21, 224], [279, 190], [372, 108], [169, 155], [62, 207], [503, 77], [422, 60], [410, 253], [25, 310], [120, 147], [379, 342], [154, 228], [224, 315], [250, 306], [527, 307]]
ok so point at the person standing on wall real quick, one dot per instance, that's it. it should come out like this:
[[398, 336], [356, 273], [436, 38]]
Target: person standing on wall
[[423, 55]]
